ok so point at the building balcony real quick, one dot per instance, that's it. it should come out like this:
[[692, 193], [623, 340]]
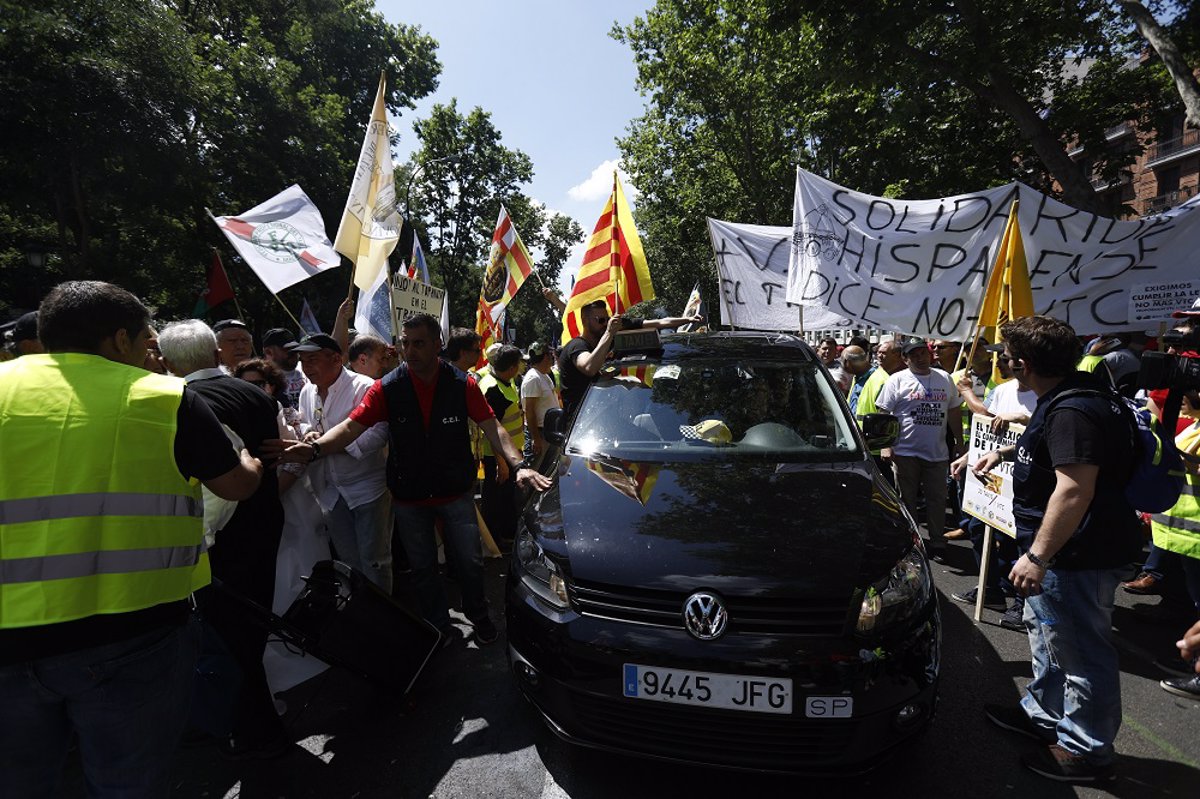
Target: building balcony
[[1173, 149], [1165, 202]]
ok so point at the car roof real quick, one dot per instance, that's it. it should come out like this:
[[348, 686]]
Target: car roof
[[725, 344]]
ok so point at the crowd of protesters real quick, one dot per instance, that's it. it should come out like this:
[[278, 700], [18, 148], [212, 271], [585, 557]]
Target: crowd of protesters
[[380, 449]]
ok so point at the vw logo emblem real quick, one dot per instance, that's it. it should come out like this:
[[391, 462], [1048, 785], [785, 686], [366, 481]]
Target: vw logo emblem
[[704, 616]]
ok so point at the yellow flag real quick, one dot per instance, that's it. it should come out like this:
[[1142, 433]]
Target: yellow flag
[[370, 226], [1008, 294]]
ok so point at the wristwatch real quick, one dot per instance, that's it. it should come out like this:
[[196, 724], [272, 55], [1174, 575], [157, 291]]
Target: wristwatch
[[1036, 561], [316, 447]]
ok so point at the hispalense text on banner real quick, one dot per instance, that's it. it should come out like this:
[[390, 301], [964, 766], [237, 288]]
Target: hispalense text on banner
[[412, 297], [989, 498]]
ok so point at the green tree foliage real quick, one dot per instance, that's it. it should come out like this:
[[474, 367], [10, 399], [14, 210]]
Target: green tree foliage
[[125, 120], [736, 101], [896, 98], [462, 174]]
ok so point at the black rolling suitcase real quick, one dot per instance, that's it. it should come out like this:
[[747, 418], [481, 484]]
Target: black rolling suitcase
[[346, 620]]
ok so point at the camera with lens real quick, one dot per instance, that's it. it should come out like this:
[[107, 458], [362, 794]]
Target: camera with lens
[[1162, 370]]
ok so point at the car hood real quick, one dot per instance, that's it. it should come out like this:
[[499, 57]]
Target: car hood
[[747, 529]]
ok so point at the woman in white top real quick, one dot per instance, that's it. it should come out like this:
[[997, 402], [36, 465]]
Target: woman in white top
[[537, 397]]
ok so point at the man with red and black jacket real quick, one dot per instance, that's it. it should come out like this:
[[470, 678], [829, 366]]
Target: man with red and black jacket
[[431, 468]]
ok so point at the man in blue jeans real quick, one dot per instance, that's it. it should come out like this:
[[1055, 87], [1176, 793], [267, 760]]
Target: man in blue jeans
[[1077, 533], [431, 468], [101, 542]]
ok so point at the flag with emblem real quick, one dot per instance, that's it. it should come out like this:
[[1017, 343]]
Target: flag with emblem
[[1008, 295], [370, 226], [614, 266], [283, 239], [508, 266], [218, 289]]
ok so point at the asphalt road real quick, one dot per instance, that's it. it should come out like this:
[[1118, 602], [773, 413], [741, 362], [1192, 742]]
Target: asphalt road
[[466, 732]]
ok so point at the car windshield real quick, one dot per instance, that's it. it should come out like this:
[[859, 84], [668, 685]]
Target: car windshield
[[703, 408]]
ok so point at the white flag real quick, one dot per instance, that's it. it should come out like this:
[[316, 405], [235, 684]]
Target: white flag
[[370, 226], [373, 312], [283, 240]]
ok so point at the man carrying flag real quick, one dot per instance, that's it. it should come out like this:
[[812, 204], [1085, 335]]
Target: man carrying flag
[[509, 265], [614, 275]]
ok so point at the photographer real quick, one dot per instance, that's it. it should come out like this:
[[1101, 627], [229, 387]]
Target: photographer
[[583, 356]]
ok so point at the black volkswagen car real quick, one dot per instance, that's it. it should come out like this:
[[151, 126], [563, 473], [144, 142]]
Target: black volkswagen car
[[719, 574]]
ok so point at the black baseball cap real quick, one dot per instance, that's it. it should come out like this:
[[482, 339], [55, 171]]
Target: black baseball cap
[[225, 324], [278, 337], [25, 328], [912, 346], [315, 343]]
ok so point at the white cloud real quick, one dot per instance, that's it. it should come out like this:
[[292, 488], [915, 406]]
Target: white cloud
[[599, 184]]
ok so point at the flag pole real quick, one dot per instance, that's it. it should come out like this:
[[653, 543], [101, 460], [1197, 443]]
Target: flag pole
[[299, 326], [983, 299], [614, 258]]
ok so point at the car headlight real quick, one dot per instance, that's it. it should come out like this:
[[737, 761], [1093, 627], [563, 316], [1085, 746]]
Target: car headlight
[[538, 573], [905, 591]]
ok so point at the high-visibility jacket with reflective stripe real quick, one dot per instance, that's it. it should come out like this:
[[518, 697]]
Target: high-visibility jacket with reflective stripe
[[94, 514], [513, 420], [1178, 530]]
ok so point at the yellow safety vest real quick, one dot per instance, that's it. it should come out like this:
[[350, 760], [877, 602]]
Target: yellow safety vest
[[94, 514], [513, 421], [1178, 530]]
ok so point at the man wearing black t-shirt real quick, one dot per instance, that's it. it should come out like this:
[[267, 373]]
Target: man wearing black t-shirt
[[1077, 533], [243, 557], [581, 358], [93, 636]]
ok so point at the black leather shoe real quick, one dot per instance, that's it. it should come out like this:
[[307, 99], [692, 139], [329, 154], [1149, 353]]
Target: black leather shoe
[[1188, 687]]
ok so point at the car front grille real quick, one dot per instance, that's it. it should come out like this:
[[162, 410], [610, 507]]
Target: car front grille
[[756, 615], [707, 735]]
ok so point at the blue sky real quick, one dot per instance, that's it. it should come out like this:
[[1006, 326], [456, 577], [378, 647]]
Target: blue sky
[[557, 87]]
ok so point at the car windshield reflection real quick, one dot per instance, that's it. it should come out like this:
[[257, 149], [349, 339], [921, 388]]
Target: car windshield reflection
[[786, 411]]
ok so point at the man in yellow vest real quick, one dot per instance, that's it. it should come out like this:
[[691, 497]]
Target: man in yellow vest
[[101, 544], [498, 492], [1178, 530]]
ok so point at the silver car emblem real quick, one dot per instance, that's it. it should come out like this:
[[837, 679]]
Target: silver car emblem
[[704, 616]]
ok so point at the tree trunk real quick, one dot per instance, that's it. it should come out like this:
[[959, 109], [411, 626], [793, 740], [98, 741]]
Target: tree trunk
[[1076, 186], [85, 227], [1180, 72]]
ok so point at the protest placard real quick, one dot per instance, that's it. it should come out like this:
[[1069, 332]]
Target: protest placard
[[989, 498], [411, 297]]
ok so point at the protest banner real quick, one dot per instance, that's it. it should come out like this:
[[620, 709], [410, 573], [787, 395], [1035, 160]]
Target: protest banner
[[411, 297], [1155, 302], [752, 263], [919, 266], [989, 498]]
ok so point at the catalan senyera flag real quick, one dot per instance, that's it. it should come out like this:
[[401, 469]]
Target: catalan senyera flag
[[1008, 294], [370, 226], [509, 264], [614, 267], [631, 478]]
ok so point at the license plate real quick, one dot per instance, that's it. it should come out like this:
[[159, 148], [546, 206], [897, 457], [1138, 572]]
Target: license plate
[[708, 689]]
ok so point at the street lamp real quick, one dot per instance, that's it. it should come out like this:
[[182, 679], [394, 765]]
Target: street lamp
[[35, 255]]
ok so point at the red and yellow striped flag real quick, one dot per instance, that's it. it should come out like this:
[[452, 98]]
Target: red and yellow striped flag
[[634, 480], [509, 265], [614, 267]]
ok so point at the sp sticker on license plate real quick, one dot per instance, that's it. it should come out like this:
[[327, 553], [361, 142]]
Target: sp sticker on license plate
[[829, 707]]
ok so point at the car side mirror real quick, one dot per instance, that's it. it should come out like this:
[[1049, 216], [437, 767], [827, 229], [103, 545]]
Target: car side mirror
[[554, 427], [880, 429]]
